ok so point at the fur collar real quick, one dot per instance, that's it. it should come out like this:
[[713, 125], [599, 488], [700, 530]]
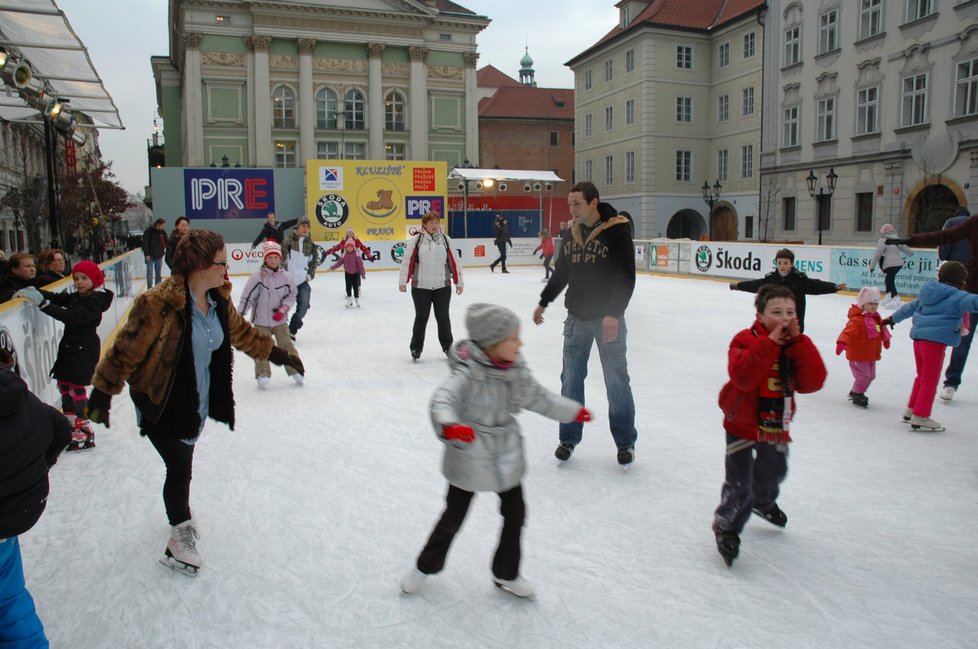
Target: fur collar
[[173, 291], [599, 227]]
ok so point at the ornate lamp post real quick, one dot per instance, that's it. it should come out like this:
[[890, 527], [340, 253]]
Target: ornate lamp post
[[822, 196], [711, 195]]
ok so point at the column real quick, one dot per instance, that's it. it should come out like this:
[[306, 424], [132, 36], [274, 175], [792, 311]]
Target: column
[[375, 102], [471, 108], [250, 100], [307, 102], [419, 103], [895, 197], [193, 106], [264, 152]]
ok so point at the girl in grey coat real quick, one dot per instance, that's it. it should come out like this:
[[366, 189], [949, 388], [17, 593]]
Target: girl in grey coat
[[889, 255], [472, 413]]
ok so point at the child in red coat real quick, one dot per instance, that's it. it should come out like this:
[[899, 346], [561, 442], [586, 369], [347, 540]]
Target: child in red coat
[[546, 248], [767, 364], [863, 340]]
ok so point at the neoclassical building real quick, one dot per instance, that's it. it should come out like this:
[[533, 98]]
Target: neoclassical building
[[272, 84]]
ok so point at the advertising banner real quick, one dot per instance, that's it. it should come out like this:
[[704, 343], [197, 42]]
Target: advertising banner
[[851, 265], [748, 261], [228, 193], [382, 200]]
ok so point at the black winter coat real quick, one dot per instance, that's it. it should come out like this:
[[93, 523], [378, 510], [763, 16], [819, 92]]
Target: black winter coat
[[502, 234], [80, 346], [171, 246], [47, 277], [797, 282], [32, 434], [11, 284], [154, 242], [274, 233]]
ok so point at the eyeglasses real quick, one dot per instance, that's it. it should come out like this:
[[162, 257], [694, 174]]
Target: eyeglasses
[[221, 263]]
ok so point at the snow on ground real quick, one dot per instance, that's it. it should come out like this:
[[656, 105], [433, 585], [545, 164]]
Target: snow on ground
[[321, 499]]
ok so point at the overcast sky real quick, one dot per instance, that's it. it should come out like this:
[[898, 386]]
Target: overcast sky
[[554, 30]]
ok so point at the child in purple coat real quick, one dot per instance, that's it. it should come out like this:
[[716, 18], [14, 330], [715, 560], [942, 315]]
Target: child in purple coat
[[354, 272]]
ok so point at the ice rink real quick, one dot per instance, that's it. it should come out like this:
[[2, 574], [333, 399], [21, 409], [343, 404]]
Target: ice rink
[[315, 506]]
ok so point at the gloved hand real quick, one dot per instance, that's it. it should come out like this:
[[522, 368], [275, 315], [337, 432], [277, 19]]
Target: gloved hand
[[733, 286], [839, 348], [30, 294], [278, 315], [458, 431], [281, 357], [886, 344], [583, 416], [887, 322], [98, 407]]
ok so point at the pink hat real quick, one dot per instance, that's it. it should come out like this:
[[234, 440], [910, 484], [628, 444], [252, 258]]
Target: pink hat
[[867, 294], [349, 230], [272, 248], [349, 243], [887, 229], [91, 270]]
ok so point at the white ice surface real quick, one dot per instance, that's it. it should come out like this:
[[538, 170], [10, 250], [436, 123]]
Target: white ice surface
[[321, 499]]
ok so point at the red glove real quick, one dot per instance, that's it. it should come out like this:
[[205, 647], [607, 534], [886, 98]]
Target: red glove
[[460, 432], [886, 343], [278, 315], [583, 416], [839, 348]]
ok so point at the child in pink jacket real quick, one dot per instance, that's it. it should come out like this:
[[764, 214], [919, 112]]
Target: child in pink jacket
[[354, 271]]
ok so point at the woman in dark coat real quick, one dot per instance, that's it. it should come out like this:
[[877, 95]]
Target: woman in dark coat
[[51, 266], [502, 240]]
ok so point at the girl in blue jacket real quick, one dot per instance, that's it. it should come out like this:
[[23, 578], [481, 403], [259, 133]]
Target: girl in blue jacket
[[938, 323]]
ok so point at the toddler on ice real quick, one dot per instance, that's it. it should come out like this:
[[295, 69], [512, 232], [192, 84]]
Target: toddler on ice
[[863, 340]]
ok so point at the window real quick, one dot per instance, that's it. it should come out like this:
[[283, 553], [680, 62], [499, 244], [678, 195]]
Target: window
[[444, 37], [684, 166], [355, 151], [283, 108], [609, 118], [723, 55], [587, 124], [723, 164], [823, 211], [867, 110], [792, 45], [749, 226], [629, 166], [629, 60], [917, 9], [325, 108], [790, 124], [684, 57], [394, 151], [966, 88], [788, 213], [750, 45], [353, 108], [684, 109], [825, 119], [609, 70], [285, 154], [609, 170], [914, 104], [587, 79], [748, 101], [723, 108], [328, 150], [864, 212], [394, 111], [629, 112], [625, 17], [587, 171], [828, 31], [554, 138], [747, 161], [870, 18]]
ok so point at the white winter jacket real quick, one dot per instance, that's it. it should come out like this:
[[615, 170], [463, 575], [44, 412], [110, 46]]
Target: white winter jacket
[[265, 292], [485, 397], [430, 262], [890, 252]]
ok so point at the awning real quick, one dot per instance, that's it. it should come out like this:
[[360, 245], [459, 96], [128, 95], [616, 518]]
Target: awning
[[38, 33], [514, 175]]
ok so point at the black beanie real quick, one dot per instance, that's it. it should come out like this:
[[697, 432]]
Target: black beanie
[[953, 273]]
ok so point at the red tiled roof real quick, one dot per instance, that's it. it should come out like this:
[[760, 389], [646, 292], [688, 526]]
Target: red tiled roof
[[492, 77], [450, 7], [527, 102]]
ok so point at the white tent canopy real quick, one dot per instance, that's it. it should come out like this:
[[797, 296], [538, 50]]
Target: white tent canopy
[[514, 175], [39, 34]]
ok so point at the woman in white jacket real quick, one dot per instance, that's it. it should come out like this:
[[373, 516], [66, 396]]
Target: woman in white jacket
[[431, 266], [889, 255]]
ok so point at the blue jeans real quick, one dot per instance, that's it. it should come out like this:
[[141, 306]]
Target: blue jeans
[[154, 268], [301, 307], [959, 355], [19, 624], [579, 335]]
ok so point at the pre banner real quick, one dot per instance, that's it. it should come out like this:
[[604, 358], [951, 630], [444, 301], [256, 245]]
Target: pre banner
[[382, 200], [228, 193]]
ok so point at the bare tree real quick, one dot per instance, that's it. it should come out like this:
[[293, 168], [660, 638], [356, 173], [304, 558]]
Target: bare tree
[[767, 216], [26, 198]]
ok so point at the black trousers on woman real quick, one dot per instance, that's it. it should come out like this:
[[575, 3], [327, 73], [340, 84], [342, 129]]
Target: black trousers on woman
[[424, 299], [506, 562], [179, 460]]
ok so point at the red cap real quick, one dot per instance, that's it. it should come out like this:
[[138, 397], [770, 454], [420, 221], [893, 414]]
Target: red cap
[[91, 270]]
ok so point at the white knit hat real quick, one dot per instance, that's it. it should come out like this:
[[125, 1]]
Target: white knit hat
[[272, 248], [489, 324], [867, 294]]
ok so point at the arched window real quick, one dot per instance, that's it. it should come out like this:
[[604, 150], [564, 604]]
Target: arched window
[[325, 108], [394, 111], [283, 107], [353, 110]]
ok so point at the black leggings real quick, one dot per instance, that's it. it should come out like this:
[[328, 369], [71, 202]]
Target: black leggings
[[506, 562], [890, 279], [179, 459], [424, 299], [352, 284]]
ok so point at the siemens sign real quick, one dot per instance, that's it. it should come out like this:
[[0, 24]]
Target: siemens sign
[[228, 193]]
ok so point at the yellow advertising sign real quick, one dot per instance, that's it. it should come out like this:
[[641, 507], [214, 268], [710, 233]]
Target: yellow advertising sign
[[383, 200]]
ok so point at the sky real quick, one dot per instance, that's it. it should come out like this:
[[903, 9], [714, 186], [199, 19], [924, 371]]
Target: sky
[[121, 56]]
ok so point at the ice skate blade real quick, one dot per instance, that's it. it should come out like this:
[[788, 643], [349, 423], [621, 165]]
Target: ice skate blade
[[514, 593], [926, 429], [177, 566]]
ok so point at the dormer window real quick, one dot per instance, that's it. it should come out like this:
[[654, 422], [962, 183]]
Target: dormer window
[[625, 16]]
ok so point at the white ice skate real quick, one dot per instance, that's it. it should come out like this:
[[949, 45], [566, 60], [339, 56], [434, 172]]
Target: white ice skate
[[181, 550], [263, 381], [519, 587], [357, 301], [411, 582], [349, 302], [298, 378]]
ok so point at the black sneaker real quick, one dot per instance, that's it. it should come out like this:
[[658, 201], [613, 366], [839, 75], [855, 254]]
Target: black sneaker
[[773, 515], [859, 399], [728, 545], [626, 454], [564, 452], [415, 353]]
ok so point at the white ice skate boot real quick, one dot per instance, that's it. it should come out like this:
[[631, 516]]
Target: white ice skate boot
[[907, 415], [263, 381], [349, 301], [948, 392], [181, 549], [357, 301], [519, 587], [925, 424], [298, 378], [411, 582]]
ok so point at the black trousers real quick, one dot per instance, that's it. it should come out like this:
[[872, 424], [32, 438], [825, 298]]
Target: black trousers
[[352, 284], [753, 476], [424, 299], [546, 265], [179, 459], [506, 562]]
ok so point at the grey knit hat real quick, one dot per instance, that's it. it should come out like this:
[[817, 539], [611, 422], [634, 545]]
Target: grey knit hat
[[489, 324]]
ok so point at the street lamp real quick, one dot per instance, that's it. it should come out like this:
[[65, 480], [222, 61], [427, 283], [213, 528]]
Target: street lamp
[[711, 195], [823, 196]]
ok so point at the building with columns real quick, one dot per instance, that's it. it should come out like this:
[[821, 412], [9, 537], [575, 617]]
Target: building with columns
[[262, 84]]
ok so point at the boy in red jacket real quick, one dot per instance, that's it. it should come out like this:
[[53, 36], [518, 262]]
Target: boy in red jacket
[[767, 364]]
